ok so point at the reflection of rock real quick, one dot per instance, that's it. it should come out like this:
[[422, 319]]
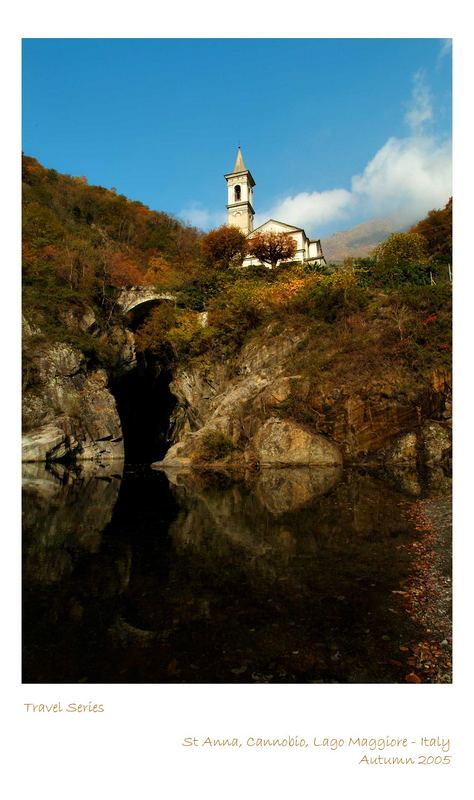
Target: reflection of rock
[[287, 489], [278, 489], [38, 480], [284, 520], [280, 441], [404, 450], [65, 511], [121, 633], [407, 478], [176, 476], [438, 482]]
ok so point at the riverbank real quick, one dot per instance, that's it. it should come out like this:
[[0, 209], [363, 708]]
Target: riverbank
[[426, 595]]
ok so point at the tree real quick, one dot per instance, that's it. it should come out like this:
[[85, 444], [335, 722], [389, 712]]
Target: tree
[[159, 273], [271, 247], [401, 259], [437, 231], [123, 270], [224, 246]]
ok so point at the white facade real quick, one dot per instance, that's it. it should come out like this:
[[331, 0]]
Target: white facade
[[240, 213], [306, 249]]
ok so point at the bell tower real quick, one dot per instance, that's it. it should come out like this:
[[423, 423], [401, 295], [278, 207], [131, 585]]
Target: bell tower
[[240, 183]]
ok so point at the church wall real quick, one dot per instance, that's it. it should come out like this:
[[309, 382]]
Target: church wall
[[240, 215]]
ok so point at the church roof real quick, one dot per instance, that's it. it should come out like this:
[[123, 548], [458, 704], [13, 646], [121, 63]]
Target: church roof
[[278, 222]]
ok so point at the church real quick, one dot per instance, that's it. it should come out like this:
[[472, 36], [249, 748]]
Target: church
[[240, 213]]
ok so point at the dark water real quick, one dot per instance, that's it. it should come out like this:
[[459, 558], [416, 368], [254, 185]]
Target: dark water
[[285, 576]]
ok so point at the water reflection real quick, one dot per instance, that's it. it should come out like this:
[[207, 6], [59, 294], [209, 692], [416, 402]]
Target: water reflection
[[283, 576], [65, 512]]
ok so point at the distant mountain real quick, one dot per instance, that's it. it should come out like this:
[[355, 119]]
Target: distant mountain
[[359, 241]]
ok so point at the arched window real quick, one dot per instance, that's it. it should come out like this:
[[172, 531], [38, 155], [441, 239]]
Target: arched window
[[237, 193]]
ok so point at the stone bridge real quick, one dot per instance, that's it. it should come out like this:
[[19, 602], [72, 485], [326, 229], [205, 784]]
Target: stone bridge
[[137, 295]]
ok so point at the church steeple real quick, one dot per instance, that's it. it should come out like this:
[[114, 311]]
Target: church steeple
[[239, 162], [240, 183]]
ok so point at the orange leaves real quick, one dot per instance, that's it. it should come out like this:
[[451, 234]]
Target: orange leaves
[[154, 332], [425, 596], [282, 293], [419, 520], [272, 247], [412, 678], [159, 272], [224, 246], [123, 270]]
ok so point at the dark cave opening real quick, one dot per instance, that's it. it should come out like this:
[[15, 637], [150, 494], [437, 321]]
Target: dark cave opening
[[145, 402]]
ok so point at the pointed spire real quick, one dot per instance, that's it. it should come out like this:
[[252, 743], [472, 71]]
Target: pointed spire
[[239, 162]]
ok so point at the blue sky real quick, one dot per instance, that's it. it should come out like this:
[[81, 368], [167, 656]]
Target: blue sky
[[334, 131]]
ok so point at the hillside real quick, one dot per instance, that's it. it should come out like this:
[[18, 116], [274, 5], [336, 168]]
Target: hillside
[[358, 242], [236, 363], [80, 241]]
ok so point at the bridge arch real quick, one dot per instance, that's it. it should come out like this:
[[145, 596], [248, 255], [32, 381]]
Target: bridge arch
[[130, 298]]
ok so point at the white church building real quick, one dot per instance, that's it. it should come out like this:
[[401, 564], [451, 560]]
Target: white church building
[[240, 213]]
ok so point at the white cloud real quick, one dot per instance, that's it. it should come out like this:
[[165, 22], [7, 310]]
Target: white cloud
[[308, 208], [420, 111], [446, 48], [404, 180]]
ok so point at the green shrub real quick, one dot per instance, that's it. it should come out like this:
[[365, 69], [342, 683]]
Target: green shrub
[[215, 446]]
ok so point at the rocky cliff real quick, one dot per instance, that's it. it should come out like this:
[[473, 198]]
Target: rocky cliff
[[255, 409], [68, 409], [273, 417]]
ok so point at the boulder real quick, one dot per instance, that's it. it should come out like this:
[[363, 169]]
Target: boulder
[[44, 444], [404, 450], [435, 440], [282, 442]]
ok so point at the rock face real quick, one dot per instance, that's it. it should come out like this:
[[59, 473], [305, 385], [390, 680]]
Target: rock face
[[47, 443], [68, 411], [281, 442], [404, 450], [257, 403], [435, 442], [430, 445], [263, 412]]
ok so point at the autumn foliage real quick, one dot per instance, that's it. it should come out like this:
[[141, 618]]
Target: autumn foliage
[[81, 242], [224, 247], [437, 231], [401, 259], [271, 247]]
